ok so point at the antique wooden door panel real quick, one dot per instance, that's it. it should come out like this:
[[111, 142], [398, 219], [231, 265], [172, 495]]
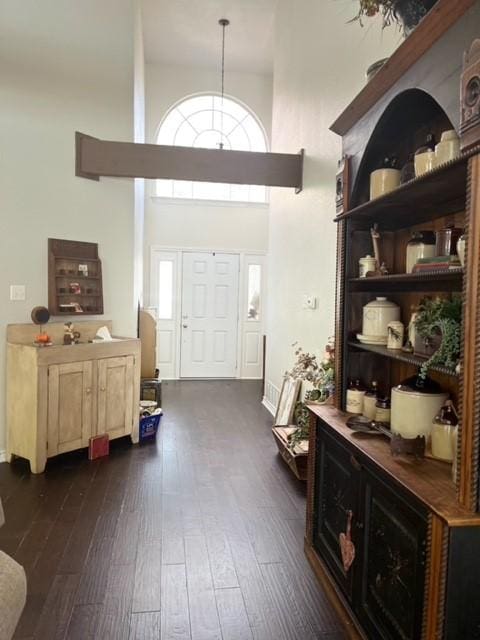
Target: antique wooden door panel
[[69, 406], [115, 397], [463, 586], [338, 482], [390, 586]]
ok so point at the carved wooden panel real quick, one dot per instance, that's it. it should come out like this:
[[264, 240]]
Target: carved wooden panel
[[336, 502], [390, 596], [470, 98]]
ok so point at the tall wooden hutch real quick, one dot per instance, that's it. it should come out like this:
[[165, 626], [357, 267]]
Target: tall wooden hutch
[[416, 532]]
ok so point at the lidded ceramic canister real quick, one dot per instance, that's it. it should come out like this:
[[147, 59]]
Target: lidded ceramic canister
[[366, 264], [415, 403], [448, 148], [377, 315], [421, 245]]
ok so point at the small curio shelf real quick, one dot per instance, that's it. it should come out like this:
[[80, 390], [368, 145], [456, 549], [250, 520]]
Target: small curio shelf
[[396, 539], [74, 278]]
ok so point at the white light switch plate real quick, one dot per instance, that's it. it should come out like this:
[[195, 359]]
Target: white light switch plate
[[17, 292]]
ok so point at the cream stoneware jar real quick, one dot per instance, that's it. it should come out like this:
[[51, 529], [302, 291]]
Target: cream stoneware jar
[[377, 315], [424, 162], [448, 148], [383, 181], [413, 410]]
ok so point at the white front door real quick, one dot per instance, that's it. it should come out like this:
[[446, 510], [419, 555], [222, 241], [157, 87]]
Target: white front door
[[209, 317]]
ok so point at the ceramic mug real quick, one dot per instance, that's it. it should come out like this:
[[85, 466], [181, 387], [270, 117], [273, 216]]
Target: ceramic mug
[[396, 331], [424, 162], [383, 181]]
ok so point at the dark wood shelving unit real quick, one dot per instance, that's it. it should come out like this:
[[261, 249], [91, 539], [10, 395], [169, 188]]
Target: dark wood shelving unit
[[435, 280], [368, 503], [64, 259], [400, 356]]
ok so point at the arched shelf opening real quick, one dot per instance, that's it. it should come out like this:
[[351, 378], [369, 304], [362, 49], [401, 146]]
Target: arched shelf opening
[[403, 127]]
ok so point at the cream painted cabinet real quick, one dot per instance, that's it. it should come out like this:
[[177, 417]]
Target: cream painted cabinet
[[115, 402], [70, 406], [60, 396]]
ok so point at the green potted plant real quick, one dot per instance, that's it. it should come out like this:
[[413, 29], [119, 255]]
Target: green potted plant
[[406, 13], [438, 323]]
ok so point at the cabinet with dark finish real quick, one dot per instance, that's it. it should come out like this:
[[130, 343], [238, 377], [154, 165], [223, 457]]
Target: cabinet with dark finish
[[391, 573], [337, 500], [412, 572]]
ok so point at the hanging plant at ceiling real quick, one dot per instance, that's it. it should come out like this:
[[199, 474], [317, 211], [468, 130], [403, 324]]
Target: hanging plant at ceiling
[[404, 13]]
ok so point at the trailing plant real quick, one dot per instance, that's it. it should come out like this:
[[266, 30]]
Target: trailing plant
[[405, 13], [440, 317], [370, 8], [321, 377]]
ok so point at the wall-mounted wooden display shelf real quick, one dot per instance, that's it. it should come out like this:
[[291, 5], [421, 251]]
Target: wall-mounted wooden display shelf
[[74, 276]]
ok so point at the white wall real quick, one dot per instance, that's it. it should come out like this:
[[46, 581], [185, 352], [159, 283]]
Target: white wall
[[139, 136], [319, 66], [66, 66], [201, 224]]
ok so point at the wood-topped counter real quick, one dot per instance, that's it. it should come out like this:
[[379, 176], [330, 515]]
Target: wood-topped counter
[[428, 480]]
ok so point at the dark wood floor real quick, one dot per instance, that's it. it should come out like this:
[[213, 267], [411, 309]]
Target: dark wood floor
[[198, 536]]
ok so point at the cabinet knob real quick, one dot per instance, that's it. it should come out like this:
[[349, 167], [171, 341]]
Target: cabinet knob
[[88, 391], [102, 389]]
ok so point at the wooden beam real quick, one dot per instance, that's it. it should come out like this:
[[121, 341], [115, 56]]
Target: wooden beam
[[95, 158]]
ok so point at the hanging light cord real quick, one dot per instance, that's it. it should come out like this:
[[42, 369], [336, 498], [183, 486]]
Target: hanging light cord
[[223, 22]]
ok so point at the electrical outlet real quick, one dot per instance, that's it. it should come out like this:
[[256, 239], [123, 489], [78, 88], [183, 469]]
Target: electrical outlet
[[17, 292]]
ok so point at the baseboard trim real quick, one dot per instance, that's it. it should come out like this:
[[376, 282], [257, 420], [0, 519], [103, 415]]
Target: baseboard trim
[[3, 455], [268, 405]]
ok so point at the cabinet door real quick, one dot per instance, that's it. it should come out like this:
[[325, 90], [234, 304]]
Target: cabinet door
[[389, 593], [115, 396], [336, 499], [69, 407]]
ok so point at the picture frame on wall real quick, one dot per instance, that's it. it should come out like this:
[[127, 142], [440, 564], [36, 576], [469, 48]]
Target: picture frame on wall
[[287, 400]]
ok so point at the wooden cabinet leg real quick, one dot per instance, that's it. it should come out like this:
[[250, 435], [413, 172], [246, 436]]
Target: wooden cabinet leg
[[10, 457], [134, 436], [38, 465]]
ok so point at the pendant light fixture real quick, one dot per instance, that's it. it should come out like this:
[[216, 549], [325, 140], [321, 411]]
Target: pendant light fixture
[[223, 22]]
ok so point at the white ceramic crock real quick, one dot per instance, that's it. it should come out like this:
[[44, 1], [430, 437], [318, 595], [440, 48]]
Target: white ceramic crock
[[424, 162], [377, 315], [413, 411], [366, 264], [383, 181], [448, 148]]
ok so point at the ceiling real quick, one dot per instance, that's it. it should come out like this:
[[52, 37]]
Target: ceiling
[[186, 32]]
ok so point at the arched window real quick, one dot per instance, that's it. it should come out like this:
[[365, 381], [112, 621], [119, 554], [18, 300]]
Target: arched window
[[206, 121]]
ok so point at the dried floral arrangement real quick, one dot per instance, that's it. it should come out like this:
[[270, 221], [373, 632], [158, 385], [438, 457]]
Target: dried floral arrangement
[[321, 377]]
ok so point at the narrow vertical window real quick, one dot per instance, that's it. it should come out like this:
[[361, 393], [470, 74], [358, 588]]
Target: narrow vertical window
[[165, 290], [254, 291]]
